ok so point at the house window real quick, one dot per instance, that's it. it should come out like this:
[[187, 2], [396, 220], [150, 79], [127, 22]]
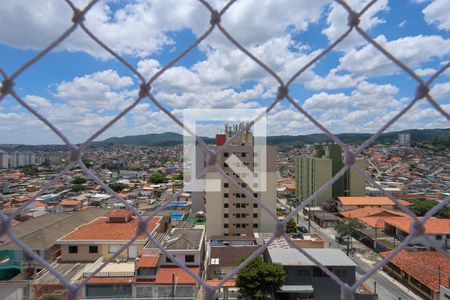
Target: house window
[[113, 248], [439, 237], [168, 260], [93, 249], [189, 258], [304, 273], [319, 273], [73, 249]]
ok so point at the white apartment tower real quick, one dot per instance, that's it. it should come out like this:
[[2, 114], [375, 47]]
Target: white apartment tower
[[229, 211]]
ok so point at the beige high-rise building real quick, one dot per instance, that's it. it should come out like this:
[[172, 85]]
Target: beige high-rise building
[[228, 210]]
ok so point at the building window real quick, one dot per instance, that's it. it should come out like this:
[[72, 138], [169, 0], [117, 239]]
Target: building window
[[255, 225], [243, 225], [243, 195], [225, 225], [93, 249], [238, 225], [225, 184], [244, 154], [168, 259], [255, 195], [304, 273], [255, 215], [189, 258], [238, 205], [225, 215], [319, 273], [225, 205], [225, 154], [243, 185], [225, 165], [439, 237], [73, 249], [225, 195], [255, 205], [113, 249]]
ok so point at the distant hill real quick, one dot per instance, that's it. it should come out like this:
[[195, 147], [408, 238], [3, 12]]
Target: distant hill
[[284, 141]]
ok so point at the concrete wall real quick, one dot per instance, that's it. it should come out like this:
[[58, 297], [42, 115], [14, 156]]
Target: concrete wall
[[325, 288], [103, 251]]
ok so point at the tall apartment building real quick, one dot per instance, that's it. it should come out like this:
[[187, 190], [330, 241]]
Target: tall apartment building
[[4, 158], [313, 172], [16, 159], [228, 210], [404, 138]]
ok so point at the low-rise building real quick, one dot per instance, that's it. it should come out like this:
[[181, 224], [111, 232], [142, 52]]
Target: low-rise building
[[437, 230], [422, 271], [351, 203]]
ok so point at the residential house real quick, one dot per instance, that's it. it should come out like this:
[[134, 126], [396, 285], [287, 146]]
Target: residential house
[[351, 203], [425, 272]]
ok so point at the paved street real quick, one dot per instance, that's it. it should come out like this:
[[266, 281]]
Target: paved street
[[387, 287]]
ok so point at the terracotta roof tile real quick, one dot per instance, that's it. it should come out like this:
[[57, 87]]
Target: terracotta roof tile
[[423, 266], [214, 282], [101, 280], [101, 229], [119, 213], [432, 226], [39, 204], [370, 201], [149, 260], [164, 276], [69, 202]]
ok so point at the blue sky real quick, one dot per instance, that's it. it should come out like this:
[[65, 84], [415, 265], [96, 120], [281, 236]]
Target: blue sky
[[79, 87]]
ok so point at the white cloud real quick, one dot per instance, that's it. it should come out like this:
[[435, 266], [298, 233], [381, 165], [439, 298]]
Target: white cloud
[[338, 18], [411, 50], [437, 13]]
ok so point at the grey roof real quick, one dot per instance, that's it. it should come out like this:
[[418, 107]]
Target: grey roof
[[42, 232], [297, 289], [325, 256], [71, 271], [185, 239]]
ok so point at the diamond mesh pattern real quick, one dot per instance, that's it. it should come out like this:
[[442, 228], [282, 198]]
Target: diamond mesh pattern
[[76, 152]]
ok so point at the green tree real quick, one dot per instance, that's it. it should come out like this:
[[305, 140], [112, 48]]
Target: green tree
[[77, 188], [346, 228], [179, 176], [117, 186], [421, 207], [291, 226], [259, 279], [78, 180], [30, 170], [157, 178]]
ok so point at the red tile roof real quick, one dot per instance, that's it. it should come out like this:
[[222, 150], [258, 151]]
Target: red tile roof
[[423, 266], [102, 280], [39, 204], [149, 259], [69, 202], [370, 201], [101, 230], [373, 216], [164, 276], [214, 282], [119, 213], [432, 226]]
